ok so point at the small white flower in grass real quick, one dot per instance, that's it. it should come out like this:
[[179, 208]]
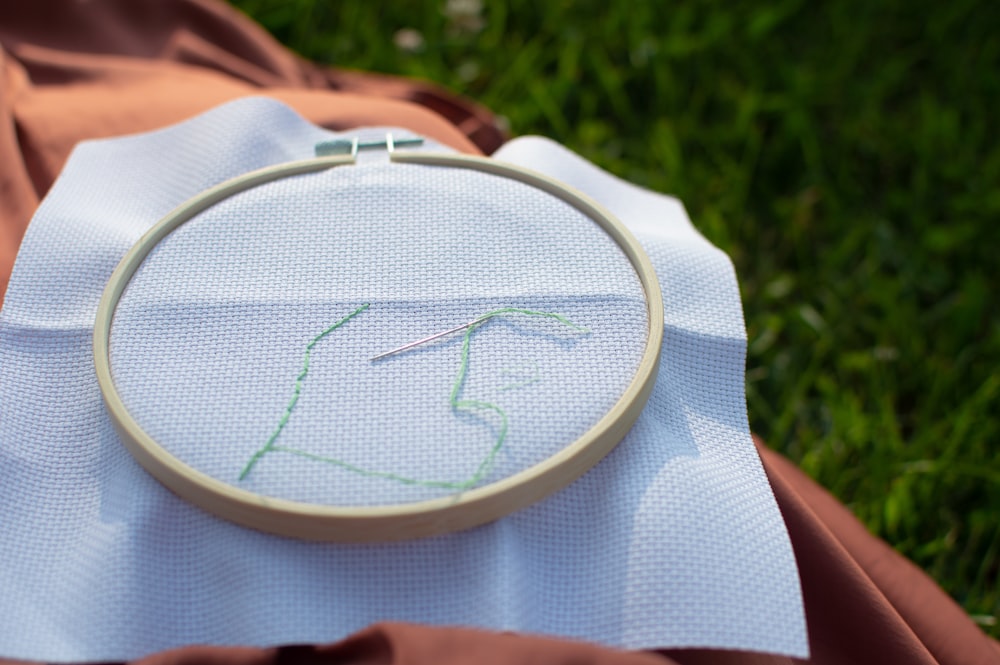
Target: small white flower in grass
[[408, 40], [465, 15], [468, 70]]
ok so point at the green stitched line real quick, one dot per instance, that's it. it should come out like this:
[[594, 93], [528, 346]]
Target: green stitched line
[[484, 467], [267, 447], [366, 472], [487, 463], [519, 373]]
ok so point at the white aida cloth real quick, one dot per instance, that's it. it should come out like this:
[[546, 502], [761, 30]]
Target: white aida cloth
[[674, 540], [241, 291]]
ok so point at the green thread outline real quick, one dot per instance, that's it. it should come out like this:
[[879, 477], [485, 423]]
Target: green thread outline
[[299, 380], [487, 463], [523, 381]]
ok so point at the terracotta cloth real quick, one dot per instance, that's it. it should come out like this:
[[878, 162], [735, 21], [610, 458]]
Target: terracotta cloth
[[73, 69]]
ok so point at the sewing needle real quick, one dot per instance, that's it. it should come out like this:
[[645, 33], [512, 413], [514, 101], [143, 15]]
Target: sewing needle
[[409, 346]]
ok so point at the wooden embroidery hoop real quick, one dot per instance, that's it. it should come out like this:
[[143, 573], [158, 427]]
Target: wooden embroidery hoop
[[396, 521]]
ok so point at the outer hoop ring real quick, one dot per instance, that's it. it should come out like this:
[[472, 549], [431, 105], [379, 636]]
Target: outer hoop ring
[[395, 521]]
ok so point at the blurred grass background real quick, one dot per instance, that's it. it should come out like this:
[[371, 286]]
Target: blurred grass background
[[845, 155]]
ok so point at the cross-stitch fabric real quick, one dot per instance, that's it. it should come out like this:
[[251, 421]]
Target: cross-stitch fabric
[[673, 540], [241, 291]]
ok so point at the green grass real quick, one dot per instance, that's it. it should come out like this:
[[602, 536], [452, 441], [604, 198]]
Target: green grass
[[845, 155]]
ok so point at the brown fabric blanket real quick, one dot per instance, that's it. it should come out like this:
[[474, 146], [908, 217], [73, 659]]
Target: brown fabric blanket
[[73, 69]]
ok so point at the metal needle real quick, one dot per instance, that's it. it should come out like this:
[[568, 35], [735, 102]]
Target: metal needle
[[406, 347]]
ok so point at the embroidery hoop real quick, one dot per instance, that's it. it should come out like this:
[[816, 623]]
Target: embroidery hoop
[[445, 514]]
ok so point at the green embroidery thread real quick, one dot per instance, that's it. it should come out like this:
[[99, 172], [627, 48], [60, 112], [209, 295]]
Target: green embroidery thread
[[522, 376], [269, 446], [484, 466]]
